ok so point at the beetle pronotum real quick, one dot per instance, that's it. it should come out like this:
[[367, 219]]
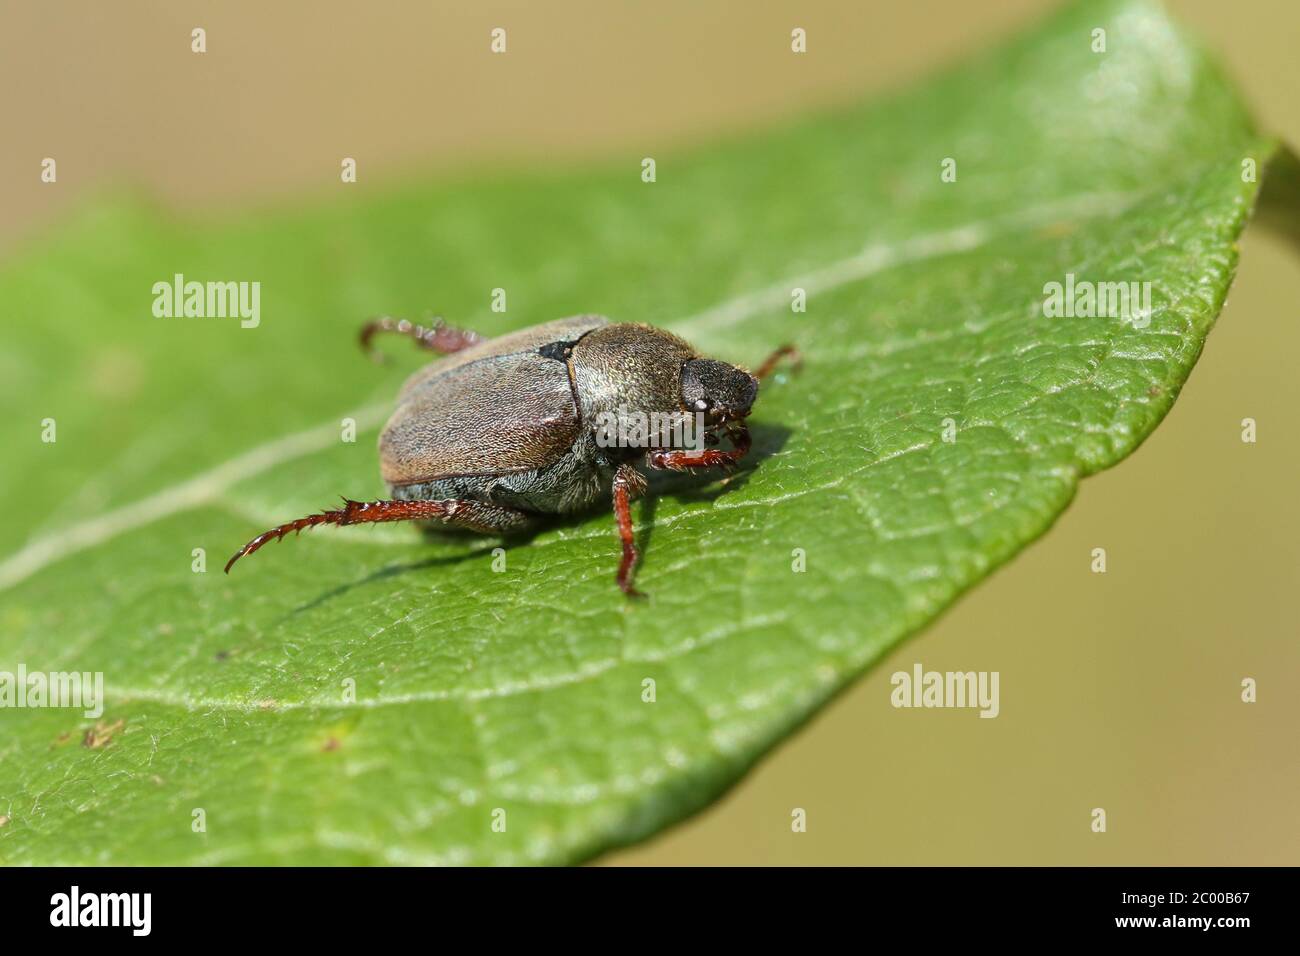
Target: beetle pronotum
[[498, 434]]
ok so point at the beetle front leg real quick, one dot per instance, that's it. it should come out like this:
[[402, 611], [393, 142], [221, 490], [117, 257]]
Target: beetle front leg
[[628, 484], [676, 460], [475, 515], [439, 337]]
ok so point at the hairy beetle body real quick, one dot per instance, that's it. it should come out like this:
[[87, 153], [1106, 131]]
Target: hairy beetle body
[[508, 421], [501, 433]]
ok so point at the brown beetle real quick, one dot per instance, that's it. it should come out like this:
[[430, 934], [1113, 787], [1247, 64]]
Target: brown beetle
[[502, 432]]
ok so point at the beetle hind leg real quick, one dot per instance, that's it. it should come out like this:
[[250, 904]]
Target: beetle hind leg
[[479, 516], [439, 337]]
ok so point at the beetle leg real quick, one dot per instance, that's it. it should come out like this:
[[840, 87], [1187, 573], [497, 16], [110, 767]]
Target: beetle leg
[[770, 363], [475, 515], [628, 484], [678, 460], [439, 337]]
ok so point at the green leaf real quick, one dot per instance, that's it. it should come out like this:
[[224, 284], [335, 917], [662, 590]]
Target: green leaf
[[523, 690]]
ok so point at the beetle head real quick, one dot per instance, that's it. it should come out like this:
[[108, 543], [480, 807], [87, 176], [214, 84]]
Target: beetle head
[[722, 392]]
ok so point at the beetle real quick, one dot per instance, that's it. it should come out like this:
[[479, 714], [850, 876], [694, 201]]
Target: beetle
[[500, 433]]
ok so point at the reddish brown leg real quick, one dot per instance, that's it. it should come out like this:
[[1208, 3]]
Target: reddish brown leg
[[673, 460], [770, 363], [439, 337], [474, 515], [628, 484]]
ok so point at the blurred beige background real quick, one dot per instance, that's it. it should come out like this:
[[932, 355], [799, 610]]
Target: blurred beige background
[[1119, 691]]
